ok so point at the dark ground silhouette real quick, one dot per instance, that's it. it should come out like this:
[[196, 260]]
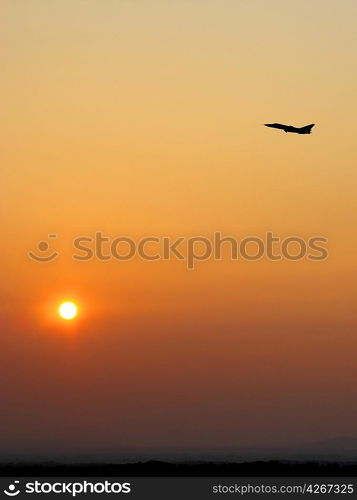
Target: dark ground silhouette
[[184, 469]]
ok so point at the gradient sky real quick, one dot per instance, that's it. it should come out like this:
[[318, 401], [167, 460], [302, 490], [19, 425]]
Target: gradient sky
[[145, 117]]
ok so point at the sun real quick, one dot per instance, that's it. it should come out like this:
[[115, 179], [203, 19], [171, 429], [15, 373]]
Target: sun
[[68, 310]]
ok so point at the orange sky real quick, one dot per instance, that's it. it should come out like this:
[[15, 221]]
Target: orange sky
[[145, 118]]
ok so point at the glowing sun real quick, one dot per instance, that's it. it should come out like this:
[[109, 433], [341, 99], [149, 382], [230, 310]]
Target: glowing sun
[[68, 310]]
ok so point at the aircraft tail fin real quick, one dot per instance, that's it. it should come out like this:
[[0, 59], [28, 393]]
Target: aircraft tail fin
[[307, 129]]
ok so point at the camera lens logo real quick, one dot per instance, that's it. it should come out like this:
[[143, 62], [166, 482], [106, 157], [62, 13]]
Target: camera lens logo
[[43, 254], [13, 490]]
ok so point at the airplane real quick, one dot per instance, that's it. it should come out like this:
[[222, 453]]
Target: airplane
[[290, 128]]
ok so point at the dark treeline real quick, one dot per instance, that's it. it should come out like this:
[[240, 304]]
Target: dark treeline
[[184, 469]]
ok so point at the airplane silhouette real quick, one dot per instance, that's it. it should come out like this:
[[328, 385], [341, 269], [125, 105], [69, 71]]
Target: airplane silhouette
[[290, 128]]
